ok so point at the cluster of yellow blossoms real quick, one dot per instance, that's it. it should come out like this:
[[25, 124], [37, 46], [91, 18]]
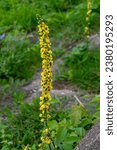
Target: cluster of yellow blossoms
[[89, 10], [46, 80]]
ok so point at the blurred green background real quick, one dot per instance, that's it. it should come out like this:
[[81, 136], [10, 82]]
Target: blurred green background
[[19, 48]]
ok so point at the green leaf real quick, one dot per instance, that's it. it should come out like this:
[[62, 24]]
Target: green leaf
[[54, 101], [61, 134], [71, 139], [5, 148], [96, 98], [67, 146], [80, 131], [53, 124], [76, 114], [2, 126]]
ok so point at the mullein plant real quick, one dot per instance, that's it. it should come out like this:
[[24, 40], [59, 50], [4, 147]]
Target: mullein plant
[[87, 29], [46, 83]]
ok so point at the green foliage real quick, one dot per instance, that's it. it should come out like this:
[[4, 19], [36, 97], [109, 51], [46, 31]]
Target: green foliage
[[18, 97], [95, 103], [9, 88], [57, 53], [82, 68], [64, 17], [68, 131], [23, 126], [17, 13], [18, 58]]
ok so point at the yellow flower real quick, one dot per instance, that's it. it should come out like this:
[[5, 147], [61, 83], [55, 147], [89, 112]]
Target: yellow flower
[[46, 131], [26, 148], [40, 115], [86, 29], [40, 145], [48, 141], [88, 36], [41, 98], [42, 138], [42, 120], [44, 106], [88, 13]]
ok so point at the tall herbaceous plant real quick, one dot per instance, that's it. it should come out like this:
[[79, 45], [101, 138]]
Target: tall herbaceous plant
[[46, 83]]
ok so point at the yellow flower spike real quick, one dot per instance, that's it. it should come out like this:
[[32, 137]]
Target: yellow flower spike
[[46, 80], [89, 10]]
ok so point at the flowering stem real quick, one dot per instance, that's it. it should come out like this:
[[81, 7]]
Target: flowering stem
[[46, 80], [87, 29]]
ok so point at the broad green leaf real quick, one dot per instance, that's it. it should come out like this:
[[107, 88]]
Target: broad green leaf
[[71, 139], [61, 134], [53, 124]]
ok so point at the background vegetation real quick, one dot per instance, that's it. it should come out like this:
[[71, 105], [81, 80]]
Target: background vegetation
[[20, 59], [18, 25]]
